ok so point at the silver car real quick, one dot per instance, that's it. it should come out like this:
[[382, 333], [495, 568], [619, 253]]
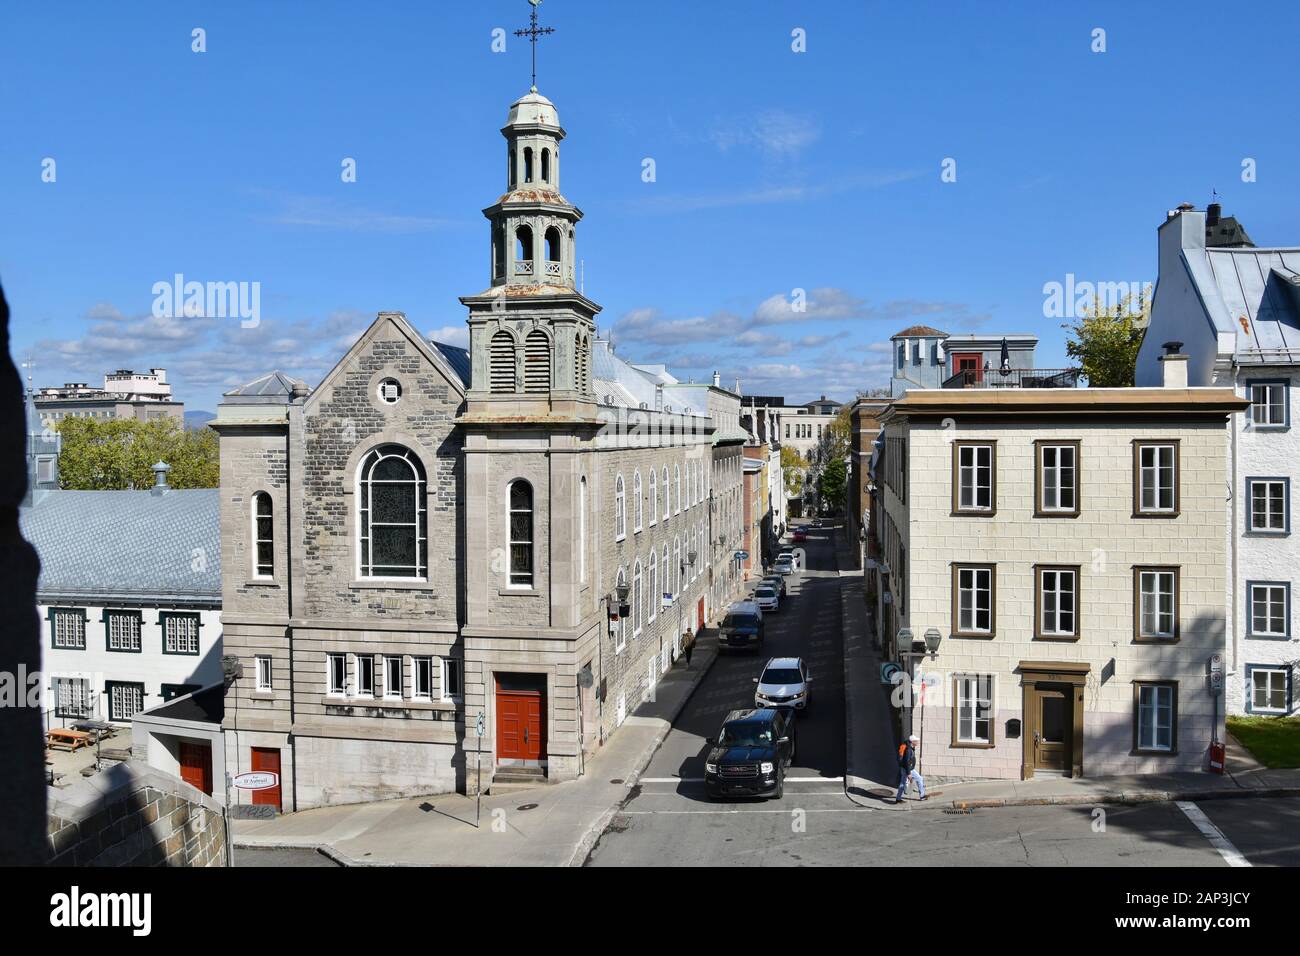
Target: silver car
[[784, 683]]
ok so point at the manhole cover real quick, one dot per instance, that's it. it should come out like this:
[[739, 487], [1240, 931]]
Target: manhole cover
[[616, 780], [527, 806]]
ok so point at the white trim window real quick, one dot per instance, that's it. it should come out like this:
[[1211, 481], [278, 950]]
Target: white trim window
[[392, 523], [1156, 597], [521, 533], [975, 477], [1059, 593], [264, 672], [72, 697], [653, 495], [677, 477], [68, 629], [620, 510], [1268, 610], [620, 626], [392, 677], [336, 675], [452, 679], [422, 678], [1058, 477], [1268, 403], [125, 700], [652, 586], [668, 495], [1157, 478], [640, 502], [638, 598], [1268, 505], [123, 630], [365, 676], [582, 529], [263, 536], [181, 633], [974, 600], [975, 708], [1155, 717], [677, 566], [1268, 690]]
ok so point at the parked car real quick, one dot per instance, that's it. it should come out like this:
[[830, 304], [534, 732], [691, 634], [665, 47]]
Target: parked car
[[792, 554], [767, 597], [799, 535], [784, 565], [774, 581], [742, 627], [750, 755], [783, 683]]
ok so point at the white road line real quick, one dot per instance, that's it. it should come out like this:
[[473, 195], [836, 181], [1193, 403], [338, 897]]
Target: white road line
[[1212, 833], [659, 813], [701, 780]]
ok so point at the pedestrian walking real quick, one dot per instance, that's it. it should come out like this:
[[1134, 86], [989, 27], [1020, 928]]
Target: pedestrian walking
[[907, 771], [688, 645]]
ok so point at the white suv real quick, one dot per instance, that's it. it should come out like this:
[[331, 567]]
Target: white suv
[[784, 683]]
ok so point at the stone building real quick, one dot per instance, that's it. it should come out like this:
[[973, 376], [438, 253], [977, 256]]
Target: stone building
[[519, 532]]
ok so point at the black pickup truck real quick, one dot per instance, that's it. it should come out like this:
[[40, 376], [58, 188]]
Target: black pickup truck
[[750, 755]]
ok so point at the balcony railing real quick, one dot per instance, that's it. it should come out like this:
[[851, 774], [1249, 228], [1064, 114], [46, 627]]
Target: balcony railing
[[552, 269], [523, 267], [1014, 378]]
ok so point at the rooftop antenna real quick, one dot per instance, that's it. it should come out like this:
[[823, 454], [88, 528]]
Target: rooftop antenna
[[534, 32]]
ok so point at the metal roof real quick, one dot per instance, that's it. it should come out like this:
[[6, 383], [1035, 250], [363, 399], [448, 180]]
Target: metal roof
[[270, 388], [457, 358], [127, 545], [1253, 293]]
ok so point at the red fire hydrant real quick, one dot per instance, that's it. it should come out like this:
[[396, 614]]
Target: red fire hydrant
[[1216, 757]]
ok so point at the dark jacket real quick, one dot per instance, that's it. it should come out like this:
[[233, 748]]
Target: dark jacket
[[906, 758]]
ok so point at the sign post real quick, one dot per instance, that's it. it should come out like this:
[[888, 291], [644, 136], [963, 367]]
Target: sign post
[[479, 726], [1217, 755]]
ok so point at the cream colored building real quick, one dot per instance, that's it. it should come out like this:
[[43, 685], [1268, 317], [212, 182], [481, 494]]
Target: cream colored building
[[1069, 546]]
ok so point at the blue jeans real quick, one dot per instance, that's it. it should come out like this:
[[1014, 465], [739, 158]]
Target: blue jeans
[[905, 777]]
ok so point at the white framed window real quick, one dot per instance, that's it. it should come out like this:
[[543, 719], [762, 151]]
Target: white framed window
[[1157, 603], [452, 685], [974, 704], [638, 598], [123, 630], [392, 523], [652, 586], [677, 566], [1269, 506], [677, 478], [336, 673], [974, 478], [1156, 717], [640, 502], [393, 677], [667, 494], [365, 675], [1269, 609], [654, 497], [582, 529], [1270, 690], [1157, 476], [180, 633], [1058, 478], [1268, 403], [974, 600], [620, 626], [1058, 597], [263, 536], [263, 672], [72, 697], [521, 534], [422, 678], [620, 510], [125, 699], [68, 628]]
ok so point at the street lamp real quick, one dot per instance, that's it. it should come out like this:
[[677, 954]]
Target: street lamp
[[932, 639]]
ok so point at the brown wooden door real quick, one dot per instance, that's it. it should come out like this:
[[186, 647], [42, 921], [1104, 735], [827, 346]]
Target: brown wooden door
[[196, 764], [266, 758], [1054, 728], [521, 731]]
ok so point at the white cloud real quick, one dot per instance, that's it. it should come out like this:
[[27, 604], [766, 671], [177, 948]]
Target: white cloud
[[450, 335]]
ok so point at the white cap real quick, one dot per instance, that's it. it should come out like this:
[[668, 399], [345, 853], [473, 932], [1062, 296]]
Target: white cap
[[914, 737]]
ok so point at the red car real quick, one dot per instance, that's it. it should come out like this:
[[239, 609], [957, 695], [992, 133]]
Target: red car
[[799, 535]]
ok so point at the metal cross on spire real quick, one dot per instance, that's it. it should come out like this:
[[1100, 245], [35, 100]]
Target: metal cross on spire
[[533, 33]]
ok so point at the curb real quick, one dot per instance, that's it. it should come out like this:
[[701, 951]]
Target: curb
[[1123, 798], [593, 833]]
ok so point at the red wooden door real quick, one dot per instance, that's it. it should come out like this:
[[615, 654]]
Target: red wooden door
[[521, 731], [196, 764], [266, 758], [968, 362], [699, 613]]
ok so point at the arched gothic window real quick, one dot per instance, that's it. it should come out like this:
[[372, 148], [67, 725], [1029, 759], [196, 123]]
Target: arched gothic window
[[638, 598], [501, 362], [392, 523], [654, 496], [537, 362], [521, 534], [620, 510], [668, 497], [640, 502], [652, 586]]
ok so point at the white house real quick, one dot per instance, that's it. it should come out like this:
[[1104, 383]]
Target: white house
[[1235, 310]]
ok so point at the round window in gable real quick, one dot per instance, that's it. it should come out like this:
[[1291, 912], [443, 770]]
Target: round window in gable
[[390, 390]]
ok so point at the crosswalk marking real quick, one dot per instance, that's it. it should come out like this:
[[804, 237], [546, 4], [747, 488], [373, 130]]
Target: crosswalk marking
[[701, 780], [1212, 833]]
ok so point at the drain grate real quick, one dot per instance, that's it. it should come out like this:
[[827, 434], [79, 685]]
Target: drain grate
[[527, 806]]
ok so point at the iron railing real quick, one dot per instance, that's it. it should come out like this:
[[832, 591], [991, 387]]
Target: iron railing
[[1014, 378]]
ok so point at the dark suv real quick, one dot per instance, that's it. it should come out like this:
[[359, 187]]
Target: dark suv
[[750, 755], [742, 628]]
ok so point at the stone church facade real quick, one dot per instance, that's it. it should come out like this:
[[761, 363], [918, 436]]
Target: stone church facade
[[521, 531]]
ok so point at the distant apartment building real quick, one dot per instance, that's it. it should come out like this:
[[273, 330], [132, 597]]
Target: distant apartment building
[[1234, 309], [924, 357], [1068, 550], [144, 396], [864, 429], [805, 426]]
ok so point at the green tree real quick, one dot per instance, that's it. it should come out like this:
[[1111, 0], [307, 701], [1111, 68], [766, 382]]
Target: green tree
[[1105, 341], [831, 485], [119, 453], [794, 467]]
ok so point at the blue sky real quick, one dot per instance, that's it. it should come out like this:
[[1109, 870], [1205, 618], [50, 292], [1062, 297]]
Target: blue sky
[[775, 170]]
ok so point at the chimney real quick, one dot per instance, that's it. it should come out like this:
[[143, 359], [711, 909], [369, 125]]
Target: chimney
[[717, 379], [160, 486], [298, 392], [1212, 212], [1173, 367]]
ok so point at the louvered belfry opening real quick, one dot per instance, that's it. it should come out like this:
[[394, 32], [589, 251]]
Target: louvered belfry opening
[[537, 362], [580, 366], [501, 362]]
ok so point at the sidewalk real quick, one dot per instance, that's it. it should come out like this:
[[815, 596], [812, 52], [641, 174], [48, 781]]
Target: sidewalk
[[871, 774], [559, 826]]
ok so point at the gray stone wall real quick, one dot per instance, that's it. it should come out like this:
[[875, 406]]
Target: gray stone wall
[[134, 815]]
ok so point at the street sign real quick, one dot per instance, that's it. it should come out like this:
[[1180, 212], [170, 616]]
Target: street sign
[[480, 725], [742, 555], [888, 671], [256, 780], [1216, 674]]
